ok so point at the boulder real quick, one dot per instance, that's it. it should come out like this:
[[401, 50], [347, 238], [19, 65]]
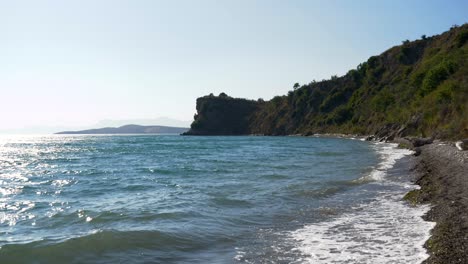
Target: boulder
[[417, 151], [462, 144], [390, 138], [418, 142], [387, 130]]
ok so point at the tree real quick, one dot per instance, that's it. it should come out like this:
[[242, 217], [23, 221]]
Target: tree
[[296, 85], [423, 37], [223, 95]]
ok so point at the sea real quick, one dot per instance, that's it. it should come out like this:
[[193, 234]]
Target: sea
[[196, 199]]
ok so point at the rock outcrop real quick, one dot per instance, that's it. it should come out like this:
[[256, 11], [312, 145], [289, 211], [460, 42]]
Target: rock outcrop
[[223, 115]]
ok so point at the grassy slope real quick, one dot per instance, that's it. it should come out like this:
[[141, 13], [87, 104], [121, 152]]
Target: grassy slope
[[419, 88], [423, 83]]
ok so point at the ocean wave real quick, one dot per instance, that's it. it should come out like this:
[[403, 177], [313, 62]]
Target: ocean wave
[[231, 203], [320, 193], [389, 154], [386, 230], [127, 246]]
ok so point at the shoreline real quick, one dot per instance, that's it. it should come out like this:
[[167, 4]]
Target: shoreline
[[441, 170], [403, 233]]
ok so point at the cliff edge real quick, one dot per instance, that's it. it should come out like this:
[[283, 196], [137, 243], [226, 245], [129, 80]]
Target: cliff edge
[[418, 88]]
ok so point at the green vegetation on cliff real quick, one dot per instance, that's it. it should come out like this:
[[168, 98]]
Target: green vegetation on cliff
[[417, 88]]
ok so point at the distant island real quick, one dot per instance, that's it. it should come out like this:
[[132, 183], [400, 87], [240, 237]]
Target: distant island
[[418, 88], [130, 129]]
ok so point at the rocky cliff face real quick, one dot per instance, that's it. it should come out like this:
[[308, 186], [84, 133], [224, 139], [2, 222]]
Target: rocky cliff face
[[223, 115], [418, 88]]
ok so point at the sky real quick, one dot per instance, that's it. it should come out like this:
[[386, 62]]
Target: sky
[[76, 63]]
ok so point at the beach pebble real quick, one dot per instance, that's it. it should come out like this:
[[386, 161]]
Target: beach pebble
[[417, 151], [462, 144]]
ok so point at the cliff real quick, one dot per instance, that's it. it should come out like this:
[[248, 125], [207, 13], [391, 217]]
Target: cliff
[[223, 115], [418, 88]]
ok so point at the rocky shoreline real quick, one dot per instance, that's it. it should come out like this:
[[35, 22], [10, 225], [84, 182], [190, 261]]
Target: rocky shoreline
[[442, 172]]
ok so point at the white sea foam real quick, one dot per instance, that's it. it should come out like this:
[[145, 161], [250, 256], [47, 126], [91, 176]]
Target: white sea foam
[[386, 230], [389, 154]]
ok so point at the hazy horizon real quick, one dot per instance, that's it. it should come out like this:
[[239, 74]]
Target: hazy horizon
[[73, 64], [44, 129]]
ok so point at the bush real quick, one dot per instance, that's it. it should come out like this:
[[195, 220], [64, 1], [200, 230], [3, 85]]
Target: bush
[[332, 101], [461, 38], [362, 68], [403, 56], [196, 124], [354, 74], [445, 92], [436, 76], [276, 101], [417, 79], [382, 101], [372, 61], [340, 115]]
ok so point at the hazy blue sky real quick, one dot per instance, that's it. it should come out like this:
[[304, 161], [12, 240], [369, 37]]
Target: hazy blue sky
[[69, 63]]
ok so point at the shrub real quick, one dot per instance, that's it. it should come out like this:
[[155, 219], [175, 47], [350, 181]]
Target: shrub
[[276, 101], [196, 124], [403, 56], [340, 115], [362, 68], [372, 62], [417, 79], [445, 92], [332, 101], [436, 76], [354, 74], [382, 101], [461, 38]]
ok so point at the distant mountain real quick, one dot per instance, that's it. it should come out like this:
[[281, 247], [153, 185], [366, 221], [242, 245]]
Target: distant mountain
[[162, 121], [130, 129]]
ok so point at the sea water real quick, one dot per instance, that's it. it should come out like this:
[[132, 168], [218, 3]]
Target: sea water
[[177, 199]]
